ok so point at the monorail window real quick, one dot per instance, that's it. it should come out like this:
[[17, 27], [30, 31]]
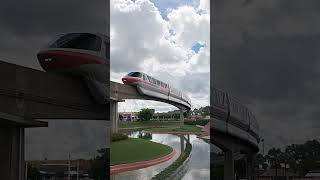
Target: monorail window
[[218, 98], [84, 41], [135, 74], [144, 77]]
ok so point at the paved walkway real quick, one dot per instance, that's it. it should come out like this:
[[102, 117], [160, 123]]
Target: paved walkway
[[205, 131]]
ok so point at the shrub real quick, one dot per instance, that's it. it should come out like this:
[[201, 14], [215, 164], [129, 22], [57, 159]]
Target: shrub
[[202, 122], [118, 137]]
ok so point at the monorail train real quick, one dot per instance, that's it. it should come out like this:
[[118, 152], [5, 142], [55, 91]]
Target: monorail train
[[81, 54], [233, 117], [150, 86]]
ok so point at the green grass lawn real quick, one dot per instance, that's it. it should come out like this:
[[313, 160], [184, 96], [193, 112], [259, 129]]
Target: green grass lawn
[[136, 149], [184, 128], [148, 123]]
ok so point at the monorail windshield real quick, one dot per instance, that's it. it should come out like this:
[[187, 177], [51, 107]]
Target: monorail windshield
[[135, 74], [85, 41]]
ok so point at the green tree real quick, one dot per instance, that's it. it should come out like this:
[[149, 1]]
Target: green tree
[[98, 170], [274, 157], [260, 160], [120, 117], [300, 157], [146, 114], [33, 173]]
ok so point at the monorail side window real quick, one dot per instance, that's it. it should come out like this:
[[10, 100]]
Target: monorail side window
[[218, 97], [85, 41]]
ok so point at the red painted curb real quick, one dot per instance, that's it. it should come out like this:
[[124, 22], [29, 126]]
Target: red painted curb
[[141, 164]]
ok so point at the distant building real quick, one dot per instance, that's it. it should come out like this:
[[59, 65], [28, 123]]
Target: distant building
[[129, 116], [202, 113], [271, 174], [313, 175], [167, 116], [59, 169]]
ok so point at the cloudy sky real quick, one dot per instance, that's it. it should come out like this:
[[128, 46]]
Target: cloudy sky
[[144, 35], [81, 139], [25, 27], [266, 53], [166, 39]]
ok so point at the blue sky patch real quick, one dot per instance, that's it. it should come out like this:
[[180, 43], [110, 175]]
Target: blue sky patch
[[196, 47], [165, 6]]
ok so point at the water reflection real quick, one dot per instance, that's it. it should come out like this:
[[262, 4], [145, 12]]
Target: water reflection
[[198, 164]]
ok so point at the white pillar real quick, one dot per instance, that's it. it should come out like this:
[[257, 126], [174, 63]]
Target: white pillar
[[182, 143], [69, 167], [78, 169], [249, 160], [21, 153], [114, 116], [181, 117], [26, 170]]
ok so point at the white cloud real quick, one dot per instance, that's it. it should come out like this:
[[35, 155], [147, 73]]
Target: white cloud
[[189, 26], [205, 5], [141, 41]]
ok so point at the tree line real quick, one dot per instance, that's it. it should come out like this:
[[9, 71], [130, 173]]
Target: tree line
[[299, 158]]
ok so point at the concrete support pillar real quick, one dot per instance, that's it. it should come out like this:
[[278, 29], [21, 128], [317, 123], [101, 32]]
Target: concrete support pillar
[[228, 165], [182, 143], [12, 153], [181, 117], [114, 116], [21, 166], [249, 160]]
